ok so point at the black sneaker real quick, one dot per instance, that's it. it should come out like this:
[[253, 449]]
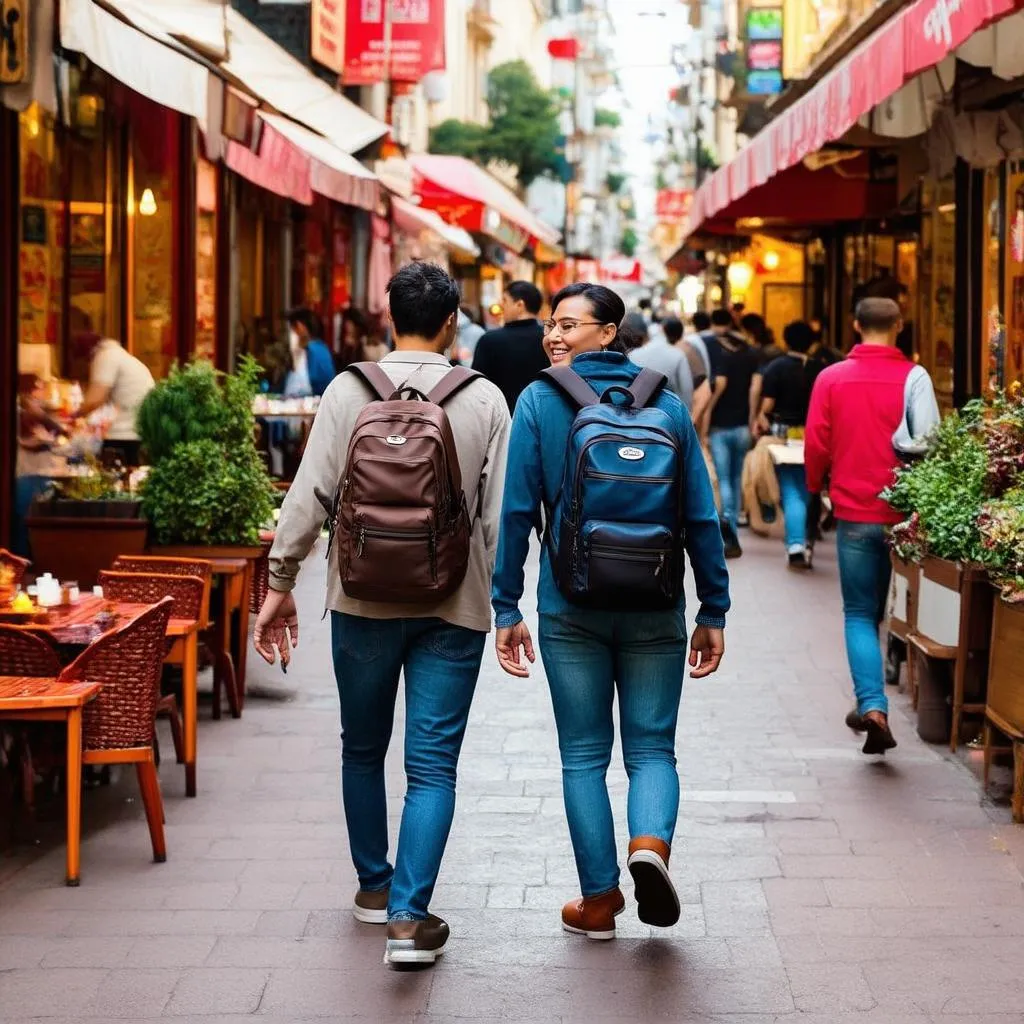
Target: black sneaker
[[880, 737], [731, 541]]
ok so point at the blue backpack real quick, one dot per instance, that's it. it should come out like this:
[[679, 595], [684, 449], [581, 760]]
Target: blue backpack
[[615, 537]]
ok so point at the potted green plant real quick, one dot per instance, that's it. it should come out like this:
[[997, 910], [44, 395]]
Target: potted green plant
[[207, 487], [83, 524]]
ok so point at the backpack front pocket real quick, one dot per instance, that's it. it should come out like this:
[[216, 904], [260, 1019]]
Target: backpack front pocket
[[403, 539], [628, 565]]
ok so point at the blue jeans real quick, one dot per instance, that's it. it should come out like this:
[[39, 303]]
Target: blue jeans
[[26, 490], [729, 447], [588, 657], [441, 664], [793, 487], [864, 573]]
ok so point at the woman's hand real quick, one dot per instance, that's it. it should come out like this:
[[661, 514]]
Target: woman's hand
[[507, 644], [277, 628], [707, 648]]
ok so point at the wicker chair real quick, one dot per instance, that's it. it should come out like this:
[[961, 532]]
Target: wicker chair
[[190, 596], [117, 727], [25, 654], [18, 565]]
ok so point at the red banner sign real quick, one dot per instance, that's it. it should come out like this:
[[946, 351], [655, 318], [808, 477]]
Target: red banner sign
[[673, 205], [399, 39]]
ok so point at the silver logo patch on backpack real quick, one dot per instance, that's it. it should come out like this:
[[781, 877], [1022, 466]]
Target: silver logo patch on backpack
[[631, 454], [396, 439]]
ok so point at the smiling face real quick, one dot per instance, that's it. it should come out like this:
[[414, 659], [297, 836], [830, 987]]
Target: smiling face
[[573, 329]]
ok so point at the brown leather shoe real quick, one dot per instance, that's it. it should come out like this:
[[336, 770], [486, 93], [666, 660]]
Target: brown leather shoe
[[594, 916], [371, 907], [880, 737], [657, 901], [416, 942]]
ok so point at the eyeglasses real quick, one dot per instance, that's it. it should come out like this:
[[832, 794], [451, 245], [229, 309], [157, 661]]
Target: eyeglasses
[[568, 326]]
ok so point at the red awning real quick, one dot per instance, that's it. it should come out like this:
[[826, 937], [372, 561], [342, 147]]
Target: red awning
[[466, 195], [918, 37], [279, 166], [800, 197]]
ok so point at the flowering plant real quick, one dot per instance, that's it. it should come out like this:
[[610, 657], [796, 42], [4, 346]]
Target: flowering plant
[[1001, 524]]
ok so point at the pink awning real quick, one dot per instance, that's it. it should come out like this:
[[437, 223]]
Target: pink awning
[[279, 166], [918, 37], [463, 193]]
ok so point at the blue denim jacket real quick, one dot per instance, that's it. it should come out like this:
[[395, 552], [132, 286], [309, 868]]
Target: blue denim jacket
[[536, 460]]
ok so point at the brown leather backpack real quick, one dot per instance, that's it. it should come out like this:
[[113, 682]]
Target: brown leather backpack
[[401, 522]]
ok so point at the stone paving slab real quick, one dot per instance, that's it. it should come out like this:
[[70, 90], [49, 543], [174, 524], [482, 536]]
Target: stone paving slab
[[816, 887]]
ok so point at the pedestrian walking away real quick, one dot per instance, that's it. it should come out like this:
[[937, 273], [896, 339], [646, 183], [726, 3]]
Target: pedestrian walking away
[[511, 356], [863, 411], [734, 365], [608, 458], [785, 398], [662, 354], [414, 520]]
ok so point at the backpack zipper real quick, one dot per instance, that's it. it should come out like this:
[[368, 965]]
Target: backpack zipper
[[594, 474], [603, 439], [629, 555]]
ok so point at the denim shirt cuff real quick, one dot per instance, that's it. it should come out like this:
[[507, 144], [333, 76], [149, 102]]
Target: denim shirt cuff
[[504, 620], [710, 619]]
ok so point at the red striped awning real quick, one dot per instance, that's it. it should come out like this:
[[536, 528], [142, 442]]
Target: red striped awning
[[918, 37]]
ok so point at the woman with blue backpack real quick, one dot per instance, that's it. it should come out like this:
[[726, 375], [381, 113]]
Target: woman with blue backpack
[[605, 464]]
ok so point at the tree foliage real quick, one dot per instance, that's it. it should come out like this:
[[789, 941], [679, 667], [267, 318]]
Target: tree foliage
[[629, 242], [523, 130]]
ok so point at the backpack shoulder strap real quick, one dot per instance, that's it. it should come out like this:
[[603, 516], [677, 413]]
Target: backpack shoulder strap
[[451, 384], [572, 385], [377, 379], [645, 386]]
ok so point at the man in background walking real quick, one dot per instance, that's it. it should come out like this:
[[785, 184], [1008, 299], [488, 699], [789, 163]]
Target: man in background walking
[[861, 410], [511, 356]]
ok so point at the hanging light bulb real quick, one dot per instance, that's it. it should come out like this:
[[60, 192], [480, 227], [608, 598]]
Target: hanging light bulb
[[147, 204]]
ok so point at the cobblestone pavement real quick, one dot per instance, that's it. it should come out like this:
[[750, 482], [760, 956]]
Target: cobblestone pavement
[[817, 887]]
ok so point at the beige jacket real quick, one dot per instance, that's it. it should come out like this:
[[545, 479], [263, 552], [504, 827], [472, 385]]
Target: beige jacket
[[480, 423]]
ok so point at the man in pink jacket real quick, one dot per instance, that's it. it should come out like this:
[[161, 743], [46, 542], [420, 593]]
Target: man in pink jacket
[[863, 411]]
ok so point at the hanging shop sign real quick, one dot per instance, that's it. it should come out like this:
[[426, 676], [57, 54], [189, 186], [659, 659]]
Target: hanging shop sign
[[672, 205], [400, 40], [327, 31], [13, 41], [764, 51]]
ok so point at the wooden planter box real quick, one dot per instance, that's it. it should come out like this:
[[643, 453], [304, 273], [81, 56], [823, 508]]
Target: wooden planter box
[[1004, 704], [75, 540], [953, 623], [903, 597]]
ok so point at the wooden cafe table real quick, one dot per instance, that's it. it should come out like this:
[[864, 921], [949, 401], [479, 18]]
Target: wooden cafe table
[[47, 700], [82, 623]]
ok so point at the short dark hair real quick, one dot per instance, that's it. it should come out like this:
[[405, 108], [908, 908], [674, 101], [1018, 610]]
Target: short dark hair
[[673, 328], [798, 336], [422, 296], [754, 323], [605, 305], [304, 316], [633, 331], [877, 316], [644, 304], [722, 318], [528, 294], [882, 286], [701, 321]]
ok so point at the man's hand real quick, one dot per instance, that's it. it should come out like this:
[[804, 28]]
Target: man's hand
[[507, 643], [277, 628], [707, 648]]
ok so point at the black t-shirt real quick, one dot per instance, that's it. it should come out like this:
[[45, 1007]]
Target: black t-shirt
[[820, 357], [735, 360], [789, 380]]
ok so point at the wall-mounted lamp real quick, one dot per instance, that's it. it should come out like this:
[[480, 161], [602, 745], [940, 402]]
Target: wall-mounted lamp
[[771, 260], [147, 204]]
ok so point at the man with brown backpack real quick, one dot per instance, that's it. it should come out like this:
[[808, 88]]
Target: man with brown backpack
[[406, 459]]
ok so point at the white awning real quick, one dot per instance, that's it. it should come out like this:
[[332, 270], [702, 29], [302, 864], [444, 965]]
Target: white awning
[[156, 69], [408, 217], [252, 59], [333, 173]]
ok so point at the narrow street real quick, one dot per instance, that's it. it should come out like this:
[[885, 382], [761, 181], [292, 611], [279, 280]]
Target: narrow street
[[817, 887]]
